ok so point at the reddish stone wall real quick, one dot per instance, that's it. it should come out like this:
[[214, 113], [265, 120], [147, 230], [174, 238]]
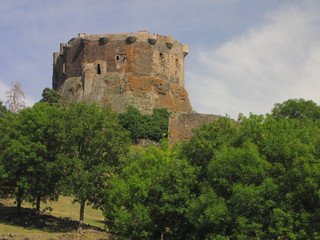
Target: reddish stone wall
[[181, 125]]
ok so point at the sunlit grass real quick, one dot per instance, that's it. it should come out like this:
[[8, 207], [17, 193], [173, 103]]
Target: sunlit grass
[[63, 208]]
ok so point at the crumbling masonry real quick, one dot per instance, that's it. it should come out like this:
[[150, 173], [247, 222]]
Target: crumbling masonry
[[117, 70]]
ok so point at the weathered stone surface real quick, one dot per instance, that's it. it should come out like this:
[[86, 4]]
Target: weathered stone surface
[[131, 39], [152, 41], [181, 124], [169, 45], [106, 70], [103, 40]]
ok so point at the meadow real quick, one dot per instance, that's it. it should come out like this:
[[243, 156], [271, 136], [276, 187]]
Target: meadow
[[57, 220]]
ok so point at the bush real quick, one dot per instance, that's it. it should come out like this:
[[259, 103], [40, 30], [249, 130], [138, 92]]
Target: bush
[[153, 127]]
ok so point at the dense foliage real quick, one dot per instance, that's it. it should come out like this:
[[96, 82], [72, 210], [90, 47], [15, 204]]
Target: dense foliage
[[262, 183], [48, 150], [296, 108], [258, 178], [94, 146], [28, 152], [153, 127], [50, 96], [149, 198], [3, 110]]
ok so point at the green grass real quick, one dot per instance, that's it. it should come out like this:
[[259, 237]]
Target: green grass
[[65, 208], [60, 223]]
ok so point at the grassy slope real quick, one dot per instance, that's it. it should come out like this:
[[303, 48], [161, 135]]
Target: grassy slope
[[64, 210]]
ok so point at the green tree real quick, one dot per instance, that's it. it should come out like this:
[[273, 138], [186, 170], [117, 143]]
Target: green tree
[[149, 198], [153, 127], [158, 124], [133, 120], [296, 108], [207, 139], [231, 201], [259, 180], [94, 146], [28, 154], [291, 145], [51, 96]]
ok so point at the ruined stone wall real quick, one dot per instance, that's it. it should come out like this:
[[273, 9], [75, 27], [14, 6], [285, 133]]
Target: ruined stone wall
[[181, 125], [117, 70]]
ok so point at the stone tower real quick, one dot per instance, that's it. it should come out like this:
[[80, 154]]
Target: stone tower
[[117, 70]]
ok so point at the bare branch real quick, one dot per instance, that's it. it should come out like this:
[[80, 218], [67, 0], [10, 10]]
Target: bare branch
[[15, 98]]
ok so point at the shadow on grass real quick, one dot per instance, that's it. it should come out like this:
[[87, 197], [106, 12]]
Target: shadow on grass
[[101, 221], [29, 219]]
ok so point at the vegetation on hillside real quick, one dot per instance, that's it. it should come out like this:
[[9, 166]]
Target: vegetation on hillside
[[258, 178], [50, 96], [48, 150], [143, 126], [3, 110]]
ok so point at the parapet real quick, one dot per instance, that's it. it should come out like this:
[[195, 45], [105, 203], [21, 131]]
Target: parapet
[[129, 38]]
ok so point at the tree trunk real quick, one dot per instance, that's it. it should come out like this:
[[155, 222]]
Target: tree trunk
[[82, 205], [38, 204], [19, 200]]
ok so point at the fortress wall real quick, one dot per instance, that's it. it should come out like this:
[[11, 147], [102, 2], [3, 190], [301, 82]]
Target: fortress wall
[[122, 69], [117, 70], [181, 125], [139, 57]]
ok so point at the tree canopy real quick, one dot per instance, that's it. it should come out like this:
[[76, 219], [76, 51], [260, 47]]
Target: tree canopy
[[296, 108], [50, 95], [94, 144], [149, 198], [261, 182], [48, 150], [256, 178], [141, 126], [29, 146], [3, 110]]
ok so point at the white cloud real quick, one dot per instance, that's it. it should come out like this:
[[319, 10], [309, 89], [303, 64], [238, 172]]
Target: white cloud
[[271, 63], [3, 89]]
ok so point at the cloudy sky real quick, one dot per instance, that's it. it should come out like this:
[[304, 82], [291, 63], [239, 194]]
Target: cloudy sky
[[245, 55]]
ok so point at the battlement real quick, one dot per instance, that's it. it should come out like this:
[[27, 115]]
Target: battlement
[[129, 38], [138, 62]]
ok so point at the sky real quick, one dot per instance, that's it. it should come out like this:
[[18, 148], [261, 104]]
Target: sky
[[244, 55]]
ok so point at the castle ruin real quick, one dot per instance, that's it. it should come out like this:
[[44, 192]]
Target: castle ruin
[[122, 69], [117, 70]]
